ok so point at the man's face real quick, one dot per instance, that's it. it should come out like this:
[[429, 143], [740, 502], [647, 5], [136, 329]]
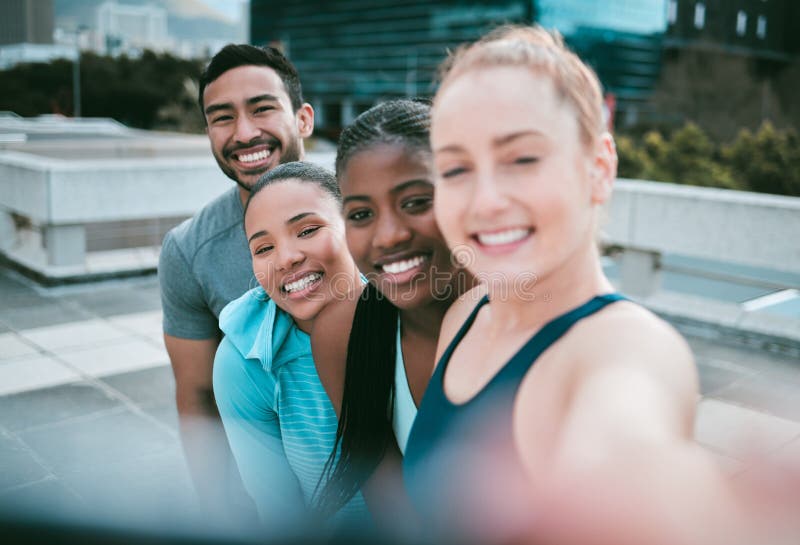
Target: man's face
[[251, 124]]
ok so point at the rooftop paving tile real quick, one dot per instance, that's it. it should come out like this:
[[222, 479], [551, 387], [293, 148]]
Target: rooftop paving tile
[[33, 372], [84, 333], [94, 442], [19, 466], [153, 387], [51, 405], [51, 313], [14, 346], [128, 354]]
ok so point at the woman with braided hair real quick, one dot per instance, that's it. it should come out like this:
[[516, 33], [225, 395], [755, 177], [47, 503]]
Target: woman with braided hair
[[375, 351]]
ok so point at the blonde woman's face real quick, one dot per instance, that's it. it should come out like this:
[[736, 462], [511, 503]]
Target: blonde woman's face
[[516, 188]]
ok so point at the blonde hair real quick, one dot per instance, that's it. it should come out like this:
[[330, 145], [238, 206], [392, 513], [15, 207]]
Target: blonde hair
[[543, 51]]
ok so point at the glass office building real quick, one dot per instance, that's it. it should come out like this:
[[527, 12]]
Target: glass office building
[[352, 53]]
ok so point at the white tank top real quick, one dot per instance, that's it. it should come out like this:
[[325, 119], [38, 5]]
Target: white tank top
[[404, 408]]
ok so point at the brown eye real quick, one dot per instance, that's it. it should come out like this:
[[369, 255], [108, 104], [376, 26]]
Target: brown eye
[[359, 215], [453, 172], [308, 231], [416, 203]]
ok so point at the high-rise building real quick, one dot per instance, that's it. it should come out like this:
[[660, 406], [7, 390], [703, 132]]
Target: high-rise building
[[352, 54], [26, 21], [731, 64], [755, 28]]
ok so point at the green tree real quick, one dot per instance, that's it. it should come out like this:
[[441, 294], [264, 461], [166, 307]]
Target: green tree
[[633, 161], [767, 162], [147, 92]]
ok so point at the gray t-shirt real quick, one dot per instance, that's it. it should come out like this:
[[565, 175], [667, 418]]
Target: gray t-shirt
[[205, 263]]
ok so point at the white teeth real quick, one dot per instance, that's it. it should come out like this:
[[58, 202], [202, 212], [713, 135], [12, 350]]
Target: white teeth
[[298, 285], [253, 157], [503, 237], [398, 267]]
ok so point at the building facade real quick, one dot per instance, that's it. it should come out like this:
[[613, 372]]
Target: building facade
[[353, 53], [731, 64], [26, 21], [126, 27]]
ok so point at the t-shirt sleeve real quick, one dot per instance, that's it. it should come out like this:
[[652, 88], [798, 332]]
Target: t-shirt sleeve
[[245, 396], [186, 313]]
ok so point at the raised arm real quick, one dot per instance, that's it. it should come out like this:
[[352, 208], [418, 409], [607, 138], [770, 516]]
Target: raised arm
[[624, 468]]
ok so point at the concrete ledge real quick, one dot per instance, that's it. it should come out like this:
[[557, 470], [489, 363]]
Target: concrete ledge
[[727, 322], [126, 263]]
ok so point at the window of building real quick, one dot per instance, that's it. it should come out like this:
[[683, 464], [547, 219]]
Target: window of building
[[761, 27], [741, 23], [699, 15], [672, 11]]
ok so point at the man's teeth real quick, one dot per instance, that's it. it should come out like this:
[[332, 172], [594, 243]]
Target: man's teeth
[[253, 157], [298, 285], [398, 267], [503, 237]]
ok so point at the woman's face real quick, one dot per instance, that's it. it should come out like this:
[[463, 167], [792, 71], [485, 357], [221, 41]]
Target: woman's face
[[391, 230], [300, 258], [516, 186]]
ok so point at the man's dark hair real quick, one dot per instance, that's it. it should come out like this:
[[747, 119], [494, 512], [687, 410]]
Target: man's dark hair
[[298, 170], [236, 55]]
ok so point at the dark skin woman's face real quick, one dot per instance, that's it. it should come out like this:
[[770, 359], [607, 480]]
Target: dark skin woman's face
[[391, 230]]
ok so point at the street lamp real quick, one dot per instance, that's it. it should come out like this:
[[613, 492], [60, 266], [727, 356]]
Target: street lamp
[[76, 73], [76, 83]]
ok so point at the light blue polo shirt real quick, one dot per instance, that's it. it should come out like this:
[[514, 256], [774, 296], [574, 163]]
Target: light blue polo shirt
[[279, 420]]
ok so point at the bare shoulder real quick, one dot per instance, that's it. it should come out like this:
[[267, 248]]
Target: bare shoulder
[[629, 338], [457, 314], [329, 337], [625, 379]]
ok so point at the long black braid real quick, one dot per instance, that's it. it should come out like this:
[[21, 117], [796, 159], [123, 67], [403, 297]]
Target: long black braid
[[365, 423]]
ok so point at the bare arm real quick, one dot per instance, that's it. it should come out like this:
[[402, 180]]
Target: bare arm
[[625, 464], [192, 363], [203, 438]]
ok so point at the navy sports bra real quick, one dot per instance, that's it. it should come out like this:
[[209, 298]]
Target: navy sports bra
[[451, 445]]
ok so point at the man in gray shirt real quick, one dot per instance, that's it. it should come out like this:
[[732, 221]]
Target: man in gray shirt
[[252, 103]]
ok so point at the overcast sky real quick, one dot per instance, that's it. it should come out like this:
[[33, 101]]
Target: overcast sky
[[231, 8]]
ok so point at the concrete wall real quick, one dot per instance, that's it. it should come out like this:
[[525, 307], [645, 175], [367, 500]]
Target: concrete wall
[[648, 219], [57, 198]]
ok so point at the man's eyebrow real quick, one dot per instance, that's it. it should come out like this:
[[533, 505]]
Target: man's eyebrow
[[217, 107], [261, 98], [266, 97]]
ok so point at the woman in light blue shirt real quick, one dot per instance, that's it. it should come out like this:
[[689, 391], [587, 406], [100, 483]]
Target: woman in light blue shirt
[[280, 423]]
